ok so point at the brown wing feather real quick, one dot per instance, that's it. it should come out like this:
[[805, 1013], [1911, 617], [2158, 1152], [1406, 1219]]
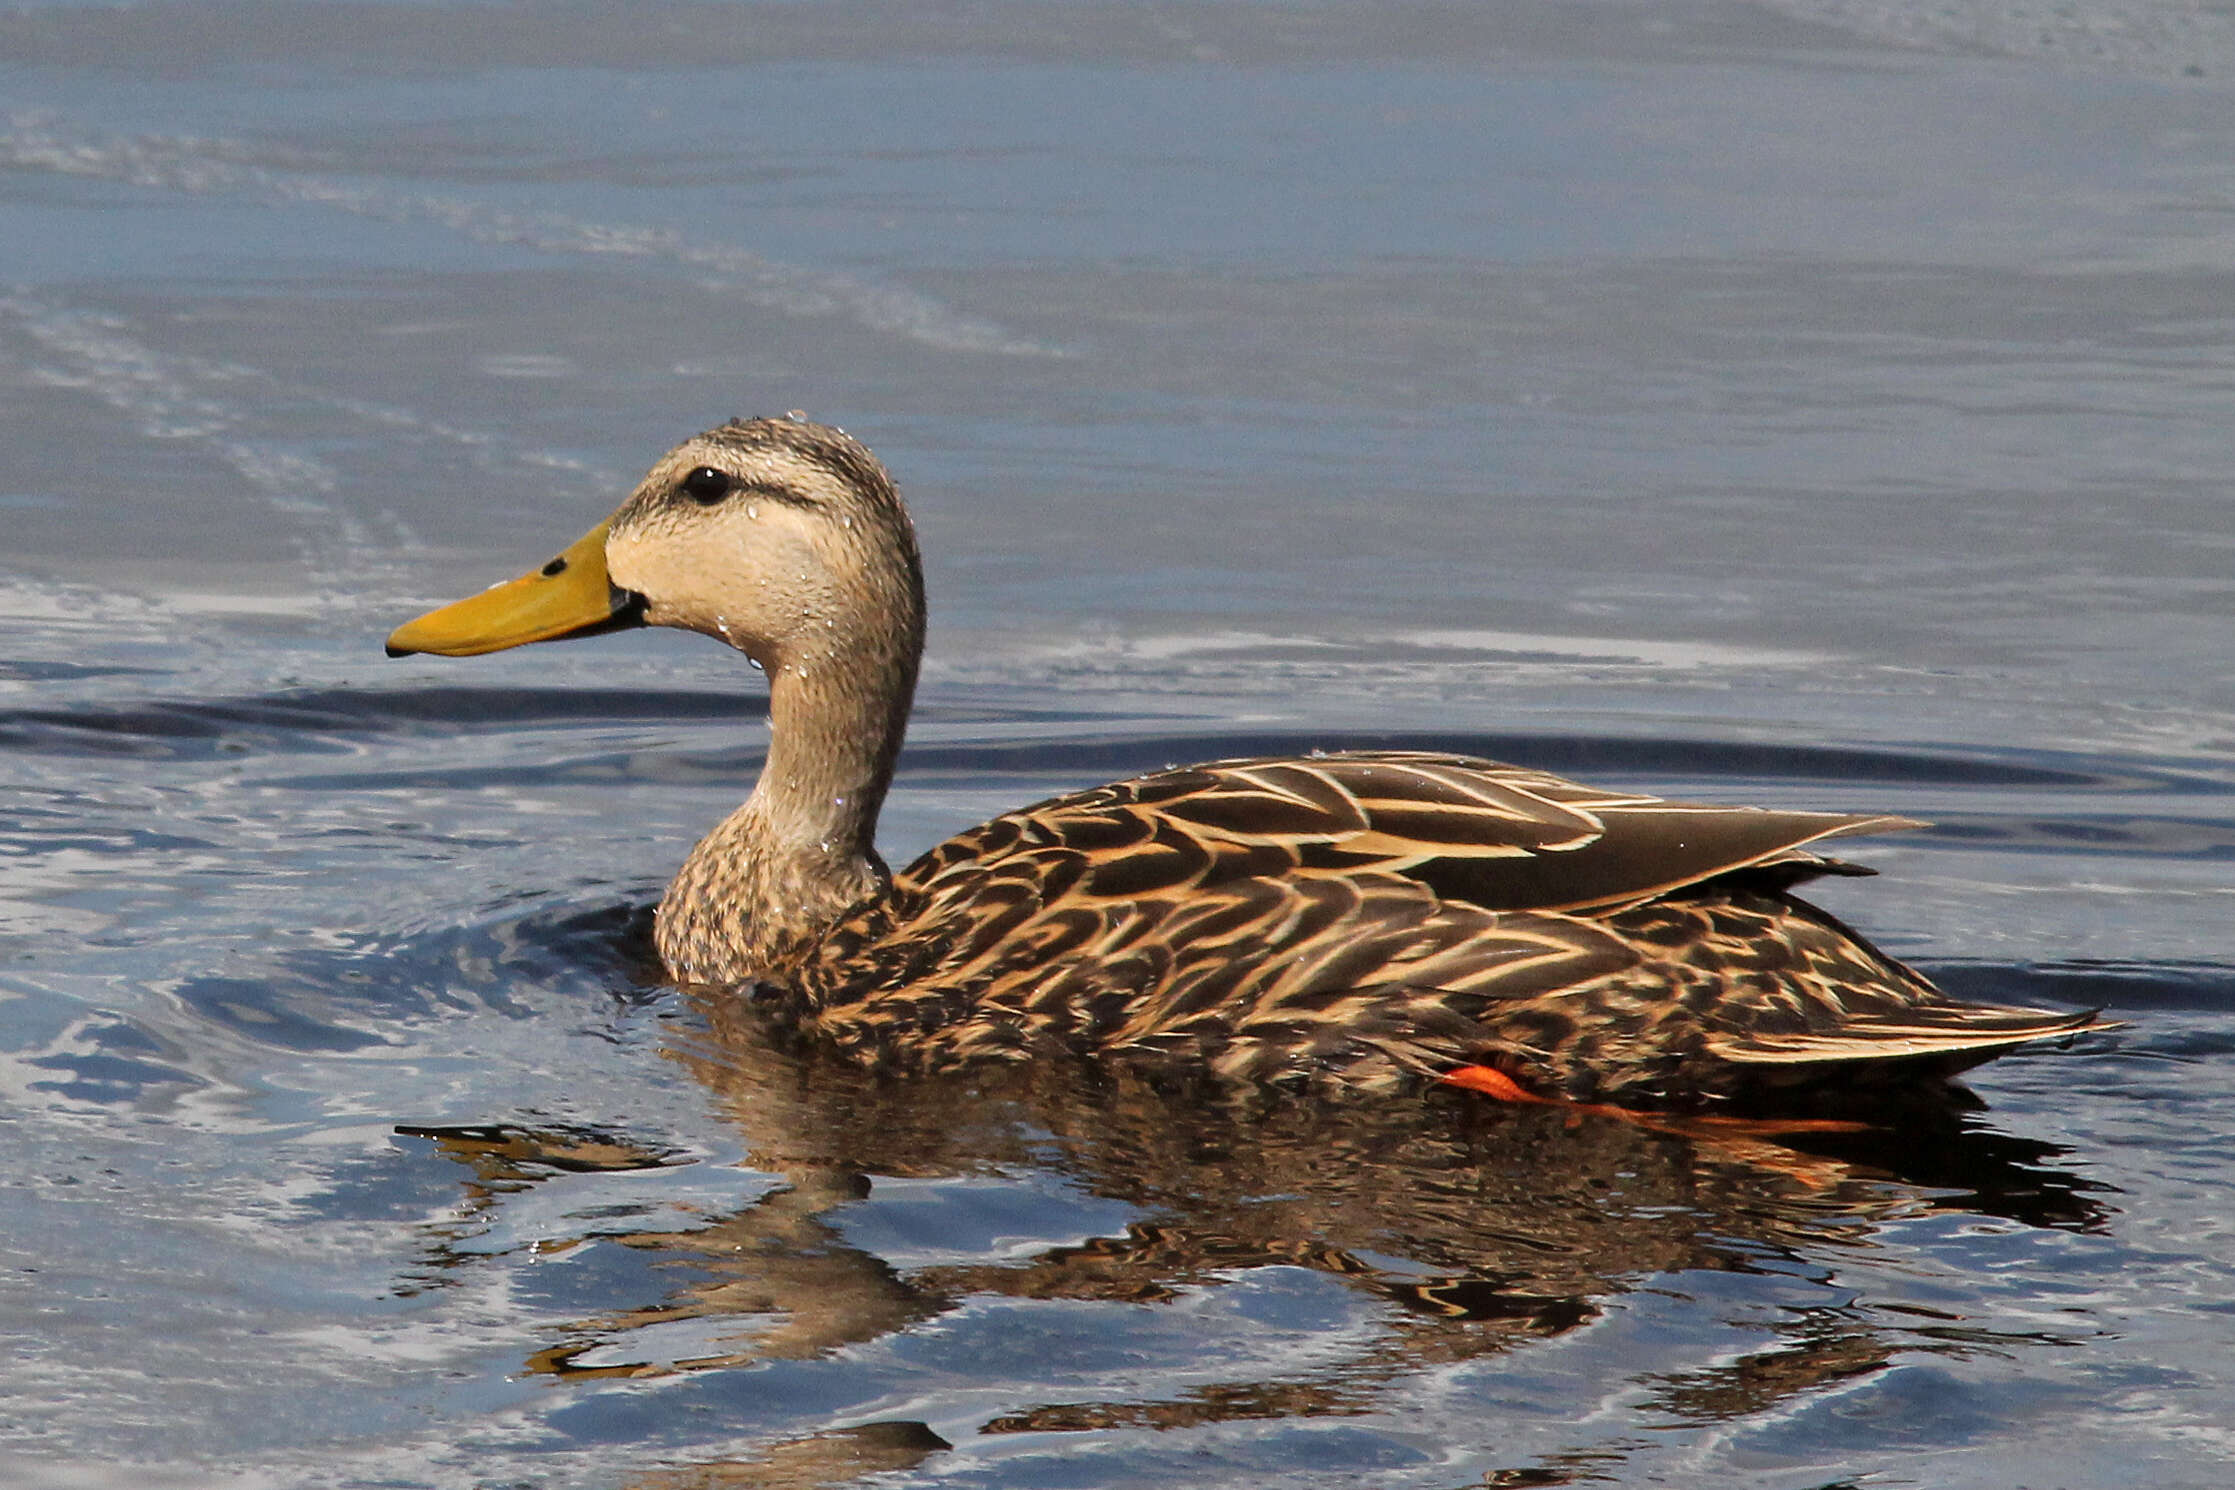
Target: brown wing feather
[[1365, 919], [1501, 837], [1354, 980]]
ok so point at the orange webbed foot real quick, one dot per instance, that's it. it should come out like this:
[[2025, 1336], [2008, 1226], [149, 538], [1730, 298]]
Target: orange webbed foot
[[1491, 1082], [1738, 1137]]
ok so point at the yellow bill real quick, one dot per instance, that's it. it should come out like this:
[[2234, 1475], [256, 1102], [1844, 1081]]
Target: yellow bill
[[570, 596]]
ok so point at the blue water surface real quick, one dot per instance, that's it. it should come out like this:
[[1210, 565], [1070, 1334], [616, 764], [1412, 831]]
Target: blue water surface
[[1805, 403]]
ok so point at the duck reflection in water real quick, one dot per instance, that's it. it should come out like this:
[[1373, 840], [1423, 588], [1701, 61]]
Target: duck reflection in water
[[1475, 1228]]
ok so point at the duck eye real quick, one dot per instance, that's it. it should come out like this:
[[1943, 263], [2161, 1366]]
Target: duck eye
[[706, 486]]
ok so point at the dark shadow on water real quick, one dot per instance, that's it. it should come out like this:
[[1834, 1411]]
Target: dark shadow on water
[[316, 721], [346, 999], [2199, 986], [1081, 746], [359, 995], [1579, 755], [23, 670]]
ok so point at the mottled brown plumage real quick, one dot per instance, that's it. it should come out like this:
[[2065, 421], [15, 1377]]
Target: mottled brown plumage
[[1362, 921]]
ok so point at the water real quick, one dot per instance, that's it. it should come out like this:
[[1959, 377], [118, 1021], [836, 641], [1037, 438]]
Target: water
[[1802, 403]]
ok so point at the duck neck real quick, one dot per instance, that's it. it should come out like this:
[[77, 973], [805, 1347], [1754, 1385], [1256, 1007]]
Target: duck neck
[[834, 730], [760, 890]]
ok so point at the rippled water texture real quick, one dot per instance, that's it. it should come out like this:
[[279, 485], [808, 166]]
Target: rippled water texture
[[1798, 403]]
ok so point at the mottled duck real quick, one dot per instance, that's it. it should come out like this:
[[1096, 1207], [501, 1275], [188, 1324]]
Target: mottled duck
[[1362, 921]]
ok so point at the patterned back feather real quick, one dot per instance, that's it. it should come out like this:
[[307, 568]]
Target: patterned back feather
[[1369, 919]]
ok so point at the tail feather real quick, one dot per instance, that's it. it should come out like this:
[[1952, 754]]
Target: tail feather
[[1914, 1034]]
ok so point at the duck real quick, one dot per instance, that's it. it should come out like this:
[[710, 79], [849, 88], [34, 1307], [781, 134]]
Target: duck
[[1354, 923]]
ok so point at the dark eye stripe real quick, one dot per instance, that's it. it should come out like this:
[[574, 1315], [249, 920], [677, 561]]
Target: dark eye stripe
[[776, 493]]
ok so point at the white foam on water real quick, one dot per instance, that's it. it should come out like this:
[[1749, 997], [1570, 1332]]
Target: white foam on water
[[173, 397], [207, 166], [352, 560]]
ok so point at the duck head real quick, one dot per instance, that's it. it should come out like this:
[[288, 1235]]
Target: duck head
[[781, 537]]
